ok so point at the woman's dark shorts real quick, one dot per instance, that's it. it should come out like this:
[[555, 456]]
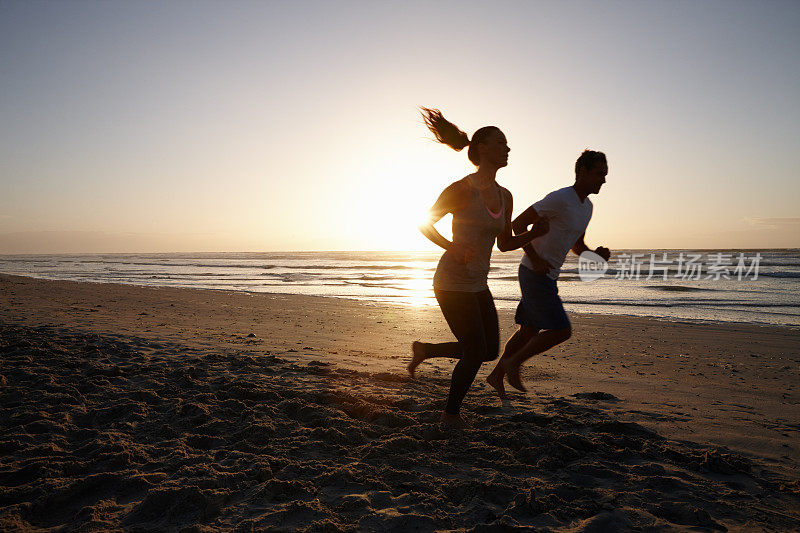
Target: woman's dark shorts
[[540, 306]]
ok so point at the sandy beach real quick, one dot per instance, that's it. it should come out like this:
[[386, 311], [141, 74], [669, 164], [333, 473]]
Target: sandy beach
[[142, 409]]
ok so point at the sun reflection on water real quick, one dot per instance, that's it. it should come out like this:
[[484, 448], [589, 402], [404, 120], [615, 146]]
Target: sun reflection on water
[[417, 289]]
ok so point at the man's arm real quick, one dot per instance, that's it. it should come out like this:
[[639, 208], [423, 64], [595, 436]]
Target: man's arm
[[540, 265], [525, 219], [507, 241], [520, 225], [580, 246]]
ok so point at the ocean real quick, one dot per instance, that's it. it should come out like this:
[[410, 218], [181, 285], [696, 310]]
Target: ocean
[[750, 286]]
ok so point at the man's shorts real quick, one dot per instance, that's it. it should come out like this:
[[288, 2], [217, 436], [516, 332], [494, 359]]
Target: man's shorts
[[540, 306]]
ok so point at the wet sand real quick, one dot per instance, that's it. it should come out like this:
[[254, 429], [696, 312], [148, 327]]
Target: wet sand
[[151, 408]]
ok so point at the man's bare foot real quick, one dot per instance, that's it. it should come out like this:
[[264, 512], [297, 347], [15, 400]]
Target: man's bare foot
[[512, 367], [495, 379], [418, 356], [452, 421]]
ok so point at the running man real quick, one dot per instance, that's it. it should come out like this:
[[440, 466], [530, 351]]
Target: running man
[[543, 323]]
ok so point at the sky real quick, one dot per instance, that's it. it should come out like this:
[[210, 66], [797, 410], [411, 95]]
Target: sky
[[279, 126]]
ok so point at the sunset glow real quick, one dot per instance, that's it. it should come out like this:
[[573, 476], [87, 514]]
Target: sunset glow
[[132, 127]]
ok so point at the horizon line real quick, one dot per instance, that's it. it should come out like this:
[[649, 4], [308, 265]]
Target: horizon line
[[495, 251]]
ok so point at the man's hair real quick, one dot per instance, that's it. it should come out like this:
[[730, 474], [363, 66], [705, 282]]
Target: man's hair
[[588, 159]]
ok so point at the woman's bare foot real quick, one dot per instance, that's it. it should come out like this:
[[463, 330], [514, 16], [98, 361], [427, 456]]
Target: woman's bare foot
[[418, 356], [453, 421], [495, 379], [511, 366]]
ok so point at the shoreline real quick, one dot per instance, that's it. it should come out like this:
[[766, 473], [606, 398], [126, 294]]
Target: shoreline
[[390, 303], [714, 409]]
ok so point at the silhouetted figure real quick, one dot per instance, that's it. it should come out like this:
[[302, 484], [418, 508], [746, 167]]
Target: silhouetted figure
[[543, 323], [481, 214]]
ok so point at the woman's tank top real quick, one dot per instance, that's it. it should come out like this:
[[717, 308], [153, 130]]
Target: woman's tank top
[[475, 225]]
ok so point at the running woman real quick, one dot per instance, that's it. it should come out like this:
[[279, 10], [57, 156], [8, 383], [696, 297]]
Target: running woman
[[481, 215]]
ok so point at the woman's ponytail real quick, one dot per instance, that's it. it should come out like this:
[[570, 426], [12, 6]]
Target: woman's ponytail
[[448, 133], [445, 131]]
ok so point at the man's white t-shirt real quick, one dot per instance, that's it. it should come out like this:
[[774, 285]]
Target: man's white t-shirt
[[568, 218]]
